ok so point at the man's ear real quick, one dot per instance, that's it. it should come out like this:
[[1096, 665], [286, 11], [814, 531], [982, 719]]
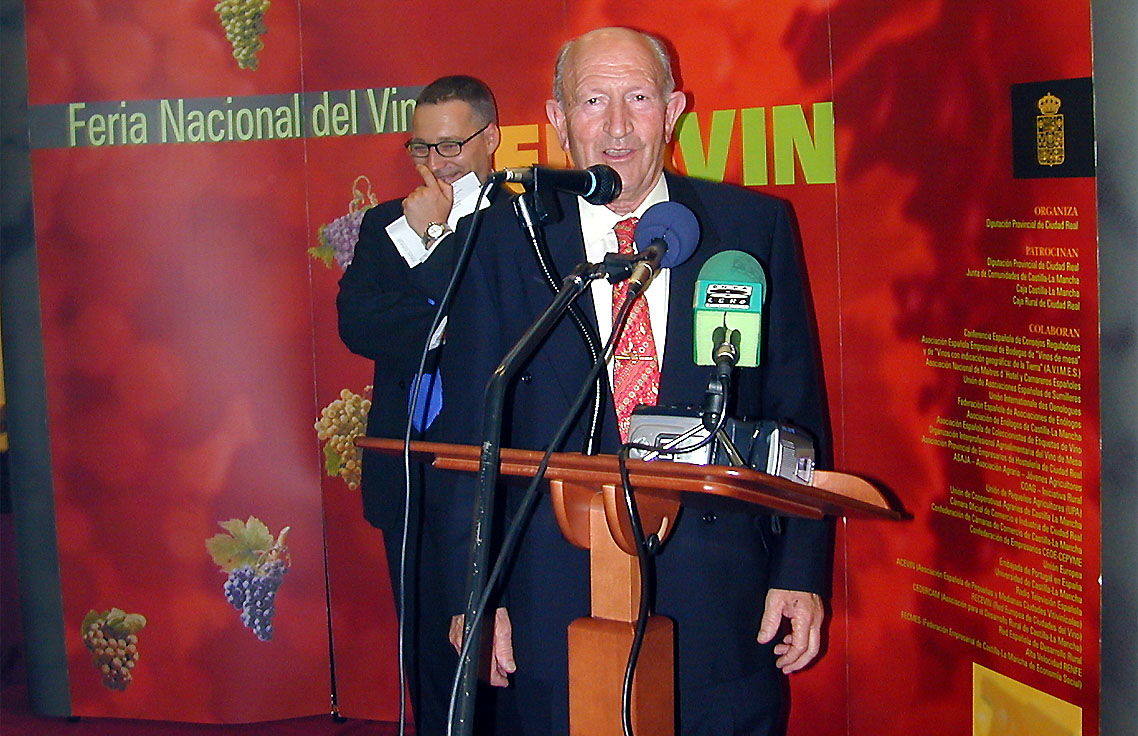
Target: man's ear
[[675, 105], [493, 137], [557, 117]]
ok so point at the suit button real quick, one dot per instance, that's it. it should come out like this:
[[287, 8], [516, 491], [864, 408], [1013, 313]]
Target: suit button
[[709, 517], [526, 377]]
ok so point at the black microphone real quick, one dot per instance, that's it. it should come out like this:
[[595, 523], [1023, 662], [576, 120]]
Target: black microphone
[[665, 237], [726, 355], [726, 352], [599, 184]]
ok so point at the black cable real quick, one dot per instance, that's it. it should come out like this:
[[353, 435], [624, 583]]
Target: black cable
[[647, 591], [532, 494], [440, 314], [645, 550], [588, 334]]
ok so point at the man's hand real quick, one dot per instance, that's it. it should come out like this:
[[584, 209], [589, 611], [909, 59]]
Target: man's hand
[[429, 203], [501, 663], [801, 645]]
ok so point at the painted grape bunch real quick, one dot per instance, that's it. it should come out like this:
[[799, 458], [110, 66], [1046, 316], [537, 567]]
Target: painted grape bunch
[[255, 565], [338, 239], [112, 639], [340, 423], [244, 24]]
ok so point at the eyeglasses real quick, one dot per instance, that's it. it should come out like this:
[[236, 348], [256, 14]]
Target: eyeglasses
[[446, 149]]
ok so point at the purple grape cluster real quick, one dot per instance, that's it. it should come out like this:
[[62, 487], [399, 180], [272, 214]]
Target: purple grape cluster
[[237, 586], [341, 235], [253, 592]]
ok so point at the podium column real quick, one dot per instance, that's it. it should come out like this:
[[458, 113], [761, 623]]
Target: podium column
[[599, 645]]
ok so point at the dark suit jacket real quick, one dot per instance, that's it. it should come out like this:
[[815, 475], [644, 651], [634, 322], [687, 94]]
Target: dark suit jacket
[[385, 308], [713, 573]]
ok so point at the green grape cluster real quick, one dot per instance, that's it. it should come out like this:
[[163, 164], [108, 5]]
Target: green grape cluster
[[244, 24], [112, 639], [340, 423]]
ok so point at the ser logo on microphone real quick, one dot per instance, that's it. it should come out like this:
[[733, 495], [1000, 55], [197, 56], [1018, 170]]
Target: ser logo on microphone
[[728, 296]]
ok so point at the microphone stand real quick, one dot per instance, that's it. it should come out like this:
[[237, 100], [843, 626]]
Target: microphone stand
[[462, 723], [592, 341], [726, 355]]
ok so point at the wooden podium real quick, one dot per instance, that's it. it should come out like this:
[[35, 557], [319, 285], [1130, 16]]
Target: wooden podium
[[585, 490]]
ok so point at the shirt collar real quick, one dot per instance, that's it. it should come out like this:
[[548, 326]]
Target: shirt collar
[[597, 221]]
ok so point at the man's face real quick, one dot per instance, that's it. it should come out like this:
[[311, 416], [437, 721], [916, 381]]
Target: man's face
[[454, 120], [615, 111]]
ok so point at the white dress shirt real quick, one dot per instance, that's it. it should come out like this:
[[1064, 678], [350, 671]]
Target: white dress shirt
[[597, 223]]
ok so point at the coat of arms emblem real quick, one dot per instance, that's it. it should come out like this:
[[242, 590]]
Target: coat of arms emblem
[[1049, 150]]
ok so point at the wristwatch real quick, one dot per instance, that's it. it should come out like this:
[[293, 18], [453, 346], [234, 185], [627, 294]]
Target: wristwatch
[[434, 231]]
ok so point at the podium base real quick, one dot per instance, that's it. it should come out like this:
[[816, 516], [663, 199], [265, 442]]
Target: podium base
[[598, 654]]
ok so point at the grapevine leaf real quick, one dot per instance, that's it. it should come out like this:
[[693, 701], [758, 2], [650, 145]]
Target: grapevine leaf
[[133, 623], [121, 623], [257, 535], [228, 552], [244, 544], [324, 254], [92, 617], [332, 461], [235, 527]]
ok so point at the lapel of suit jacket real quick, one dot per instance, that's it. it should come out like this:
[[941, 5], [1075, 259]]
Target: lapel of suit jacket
[[566, 249]]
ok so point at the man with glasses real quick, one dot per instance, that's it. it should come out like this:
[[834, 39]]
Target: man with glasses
[[386, 303]]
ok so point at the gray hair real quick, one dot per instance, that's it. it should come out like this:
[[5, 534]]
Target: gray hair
[[462, 88], [658, 48]]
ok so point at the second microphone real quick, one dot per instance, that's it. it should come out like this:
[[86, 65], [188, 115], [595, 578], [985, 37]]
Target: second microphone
[[599, 184]]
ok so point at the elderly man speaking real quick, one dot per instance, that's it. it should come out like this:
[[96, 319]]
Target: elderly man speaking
[[744, 587]]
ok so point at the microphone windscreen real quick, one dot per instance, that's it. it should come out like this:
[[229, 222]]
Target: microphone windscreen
[[728, 302], [673, 223]]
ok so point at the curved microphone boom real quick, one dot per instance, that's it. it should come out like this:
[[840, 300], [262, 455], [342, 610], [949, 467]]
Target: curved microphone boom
[[599, 184]]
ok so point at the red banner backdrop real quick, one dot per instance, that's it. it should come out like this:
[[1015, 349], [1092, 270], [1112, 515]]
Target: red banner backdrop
[[949, 389], [191, 343]]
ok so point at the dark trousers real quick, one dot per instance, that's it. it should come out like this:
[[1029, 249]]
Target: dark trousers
[[711, 581], [429, 659]]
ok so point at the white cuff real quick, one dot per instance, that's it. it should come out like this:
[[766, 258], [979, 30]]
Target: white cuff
[[407, 242]]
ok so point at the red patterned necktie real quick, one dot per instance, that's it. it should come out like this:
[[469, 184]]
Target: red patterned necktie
[[636, 371]]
